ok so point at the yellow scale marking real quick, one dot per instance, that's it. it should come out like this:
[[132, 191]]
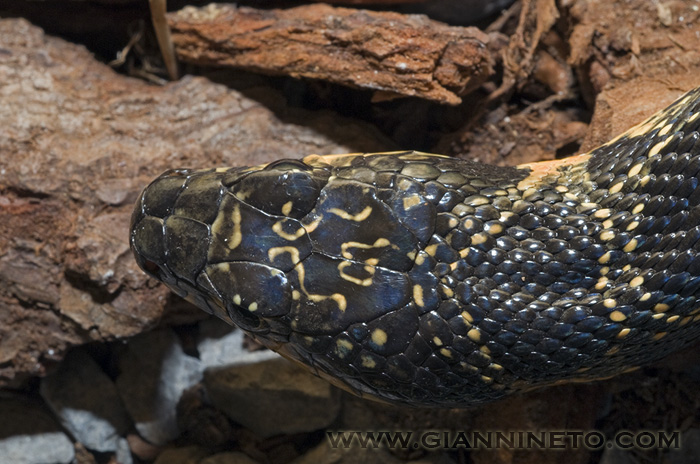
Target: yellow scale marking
[[411, 201], [418, 295], [277, 228], [361, 282], [542, 169], [368, 362], [287, 208], [379, 243], [236, 236], [379, 337], [338, 298], [607, 235], [310, 227], [274, 252], [603, 213], [617, 316], [634, 170], [631, 245], [359, 217]]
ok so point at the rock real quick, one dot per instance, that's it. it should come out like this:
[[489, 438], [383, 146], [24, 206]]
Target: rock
[[142, 449], [619, 108], [273, 397], [228, 458], [566, 407], [86, 402], [220, 345], [154, 373], [201, 423], [123, 452], [184, 455], [78, 143], [29, 435], [610, 45]]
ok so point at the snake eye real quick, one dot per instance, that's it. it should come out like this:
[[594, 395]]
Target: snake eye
[[287, 165], [287, 192]]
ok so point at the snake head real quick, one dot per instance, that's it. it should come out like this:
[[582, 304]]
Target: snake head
[[331, 261], [221, 240]]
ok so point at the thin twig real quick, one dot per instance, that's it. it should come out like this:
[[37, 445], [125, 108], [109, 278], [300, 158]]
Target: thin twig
[[124, 52], [160, 24]]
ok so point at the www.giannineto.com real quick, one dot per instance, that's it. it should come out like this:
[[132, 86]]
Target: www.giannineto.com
[[544, 439]]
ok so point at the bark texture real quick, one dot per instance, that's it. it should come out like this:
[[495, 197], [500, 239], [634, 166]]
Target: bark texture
[[383, 51]]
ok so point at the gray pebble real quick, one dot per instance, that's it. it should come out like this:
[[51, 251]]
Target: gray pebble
[[86, 402], [220, 345], [154, 373], [123, 452]]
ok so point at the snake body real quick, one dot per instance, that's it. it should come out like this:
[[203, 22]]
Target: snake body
[[426, 280]]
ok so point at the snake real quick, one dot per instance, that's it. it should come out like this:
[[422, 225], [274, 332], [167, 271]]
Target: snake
[[427, 280]]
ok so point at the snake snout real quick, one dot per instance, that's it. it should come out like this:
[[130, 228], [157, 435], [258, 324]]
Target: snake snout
[[170, 226], [219, 239]]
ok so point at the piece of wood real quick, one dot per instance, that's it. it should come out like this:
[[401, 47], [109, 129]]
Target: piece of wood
[[408, 55]]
